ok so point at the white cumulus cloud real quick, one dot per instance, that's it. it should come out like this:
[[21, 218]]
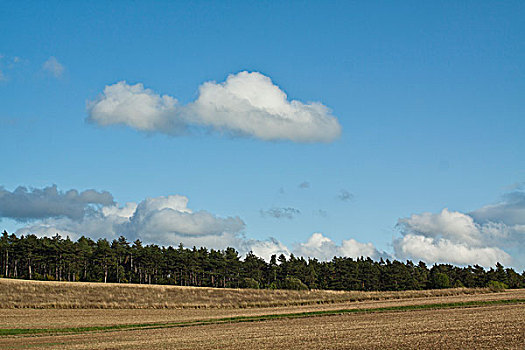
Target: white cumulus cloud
[[451, 225], [484, 236], [134, 106], [440, 250], [247, 103]]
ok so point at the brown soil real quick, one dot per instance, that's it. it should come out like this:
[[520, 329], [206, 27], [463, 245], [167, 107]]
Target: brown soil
[[488, 327]]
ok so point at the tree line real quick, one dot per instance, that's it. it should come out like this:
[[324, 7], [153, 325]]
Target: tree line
[[61, 259]]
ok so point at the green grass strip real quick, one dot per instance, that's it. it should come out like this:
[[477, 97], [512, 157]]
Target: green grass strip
[[238, 319]]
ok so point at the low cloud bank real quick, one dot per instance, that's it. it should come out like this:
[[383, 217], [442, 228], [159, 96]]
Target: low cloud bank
[[164, 220], [493, 233]]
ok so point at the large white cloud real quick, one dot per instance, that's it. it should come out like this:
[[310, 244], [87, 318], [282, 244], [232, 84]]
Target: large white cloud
[[451, 225], [245, 104], [484, 236], [323, 248], [429, 249], [168, 219]]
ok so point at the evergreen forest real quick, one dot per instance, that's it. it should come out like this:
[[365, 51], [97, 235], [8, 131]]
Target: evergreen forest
[[119, 261]]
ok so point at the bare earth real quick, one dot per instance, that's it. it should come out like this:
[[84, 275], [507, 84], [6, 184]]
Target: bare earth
[[488, 327]]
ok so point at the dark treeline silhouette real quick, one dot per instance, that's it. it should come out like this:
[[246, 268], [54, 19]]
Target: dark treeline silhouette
[[121, 261]]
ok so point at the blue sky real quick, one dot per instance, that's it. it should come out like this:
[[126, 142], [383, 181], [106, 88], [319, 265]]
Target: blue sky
[[428, 97]]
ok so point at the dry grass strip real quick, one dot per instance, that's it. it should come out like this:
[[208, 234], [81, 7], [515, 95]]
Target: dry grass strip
[[80, 295]]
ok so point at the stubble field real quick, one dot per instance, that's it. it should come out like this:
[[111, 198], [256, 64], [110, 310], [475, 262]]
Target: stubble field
[[432, 319]]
